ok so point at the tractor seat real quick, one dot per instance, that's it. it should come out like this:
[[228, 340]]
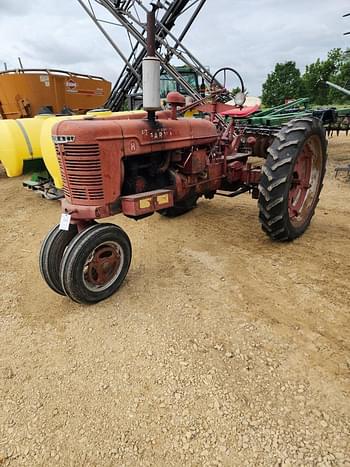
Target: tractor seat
[[241, 113]]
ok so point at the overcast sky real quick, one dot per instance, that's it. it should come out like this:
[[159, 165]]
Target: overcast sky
[[249, 35]]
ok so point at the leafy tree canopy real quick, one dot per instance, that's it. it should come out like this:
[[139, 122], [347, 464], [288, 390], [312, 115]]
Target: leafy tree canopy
[[283, 83], [286, 80]]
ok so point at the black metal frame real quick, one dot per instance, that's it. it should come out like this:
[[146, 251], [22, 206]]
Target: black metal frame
[[131, 15]]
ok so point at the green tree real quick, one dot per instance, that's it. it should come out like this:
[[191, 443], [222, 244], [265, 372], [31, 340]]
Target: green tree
[[283, 83], [342, 78], [320, 71]]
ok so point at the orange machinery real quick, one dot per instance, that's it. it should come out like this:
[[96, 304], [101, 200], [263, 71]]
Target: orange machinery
[[23, 92]]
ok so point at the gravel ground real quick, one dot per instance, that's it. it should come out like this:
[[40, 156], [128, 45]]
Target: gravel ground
[[222, 348]]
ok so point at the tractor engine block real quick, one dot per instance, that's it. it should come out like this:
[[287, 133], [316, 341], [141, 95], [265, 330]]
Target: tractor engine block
[[104, 160]]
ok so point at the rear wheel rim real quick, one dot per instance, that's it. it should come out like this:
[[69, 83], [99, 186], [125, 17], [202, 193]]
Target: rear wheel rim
[[305, 183], [103, 266]]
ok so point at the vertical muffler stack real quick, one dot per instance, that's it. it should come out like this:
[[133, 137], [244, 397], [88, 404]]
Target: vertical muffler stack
[[151, 69]]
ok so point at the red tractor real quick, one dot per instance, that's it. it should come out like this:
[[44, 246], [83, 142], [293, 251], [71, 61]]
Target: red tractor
[[162, 162]]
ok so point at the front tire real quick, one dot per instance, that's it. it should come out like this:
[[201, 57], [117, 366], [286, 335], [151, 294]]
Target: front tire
[[292, 178], [51, 254], [96, 263]]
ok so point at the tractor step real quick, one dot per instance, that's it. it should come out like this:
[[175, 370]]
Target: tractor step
[[143, 204]]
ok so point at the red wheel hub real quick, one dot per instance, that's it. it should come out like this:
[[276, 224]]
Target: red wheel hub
[[102, 265]]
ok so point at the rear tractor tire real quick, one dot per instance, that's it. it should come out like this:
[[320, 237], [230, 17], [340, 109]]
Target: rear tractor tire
[[96, 263], [292, 178]]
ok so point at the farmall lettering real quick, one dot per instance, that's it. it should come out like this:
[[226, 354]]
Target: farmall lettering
[[157, 133]]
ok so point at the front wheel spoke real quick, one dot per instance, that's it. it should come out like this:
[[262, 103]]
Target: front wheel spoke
[[293, 195], [102, 271], [102, 276], [92, 273]]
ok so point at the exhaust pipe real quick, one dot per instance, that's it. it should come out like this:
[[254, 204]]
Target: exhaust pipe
[[151, 68]]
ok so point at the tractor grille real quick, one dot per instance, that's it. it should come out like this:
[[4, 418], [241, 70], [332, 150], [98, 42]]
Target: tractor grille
[[81, 171]]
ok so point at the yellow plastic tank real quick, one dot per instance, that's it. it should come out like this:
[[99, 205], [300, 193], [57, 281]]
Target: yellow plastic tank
[[48, 148], [30, 138], [20, 141]]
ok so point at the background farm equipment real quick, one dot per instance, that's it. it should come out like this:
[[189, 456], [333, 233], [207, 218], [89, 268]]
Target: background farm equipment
[[343, 123], [28, 97], [25, 92], [26, 145], [334, 120], [163, 163]]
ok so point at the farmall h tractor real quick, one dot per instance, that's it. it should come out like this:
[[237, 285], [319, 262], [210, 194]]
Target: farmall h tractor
[[160, 162]]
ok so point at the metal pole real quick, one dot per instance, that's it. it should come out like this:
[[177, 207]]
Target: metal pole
[[338, 88]]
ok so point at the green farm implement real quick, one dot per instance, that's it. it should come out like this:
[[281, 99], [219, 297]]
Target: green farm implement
[[333, 119]]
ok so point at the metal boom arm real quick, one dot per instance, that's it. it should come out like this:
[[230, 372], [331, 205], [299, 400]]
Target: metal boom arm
[[130, 15]]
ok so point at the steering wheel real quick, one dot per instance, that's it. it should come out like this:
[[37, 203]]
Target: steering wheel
[[222, 84]]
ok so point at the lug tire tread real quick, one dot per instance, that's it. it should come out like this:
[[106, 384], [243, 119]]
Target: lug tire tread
[[277, 174]]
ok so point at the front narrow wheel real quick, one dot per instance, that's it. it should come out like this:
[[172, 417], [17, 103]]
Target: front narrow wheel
[[96, 263], [292, 179], [51, 254]]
